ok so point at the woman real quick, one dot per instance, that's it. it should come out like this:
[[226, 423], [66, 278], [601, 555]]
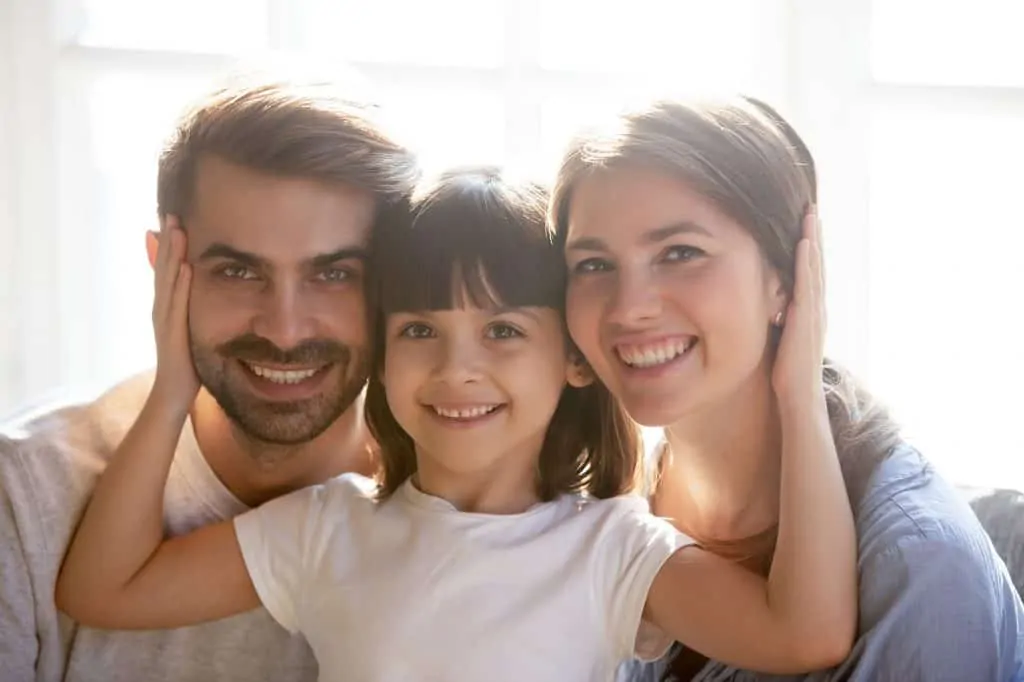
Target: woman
[[679, 226]]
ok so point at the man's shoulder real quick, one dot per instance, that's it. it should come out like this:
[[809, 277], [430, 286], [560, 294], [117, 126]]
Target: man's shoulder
[[67, 431]]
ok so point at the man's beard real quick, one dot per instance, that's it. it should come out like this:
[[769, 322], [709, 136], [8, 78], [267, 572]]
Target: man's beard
[[280, 423]]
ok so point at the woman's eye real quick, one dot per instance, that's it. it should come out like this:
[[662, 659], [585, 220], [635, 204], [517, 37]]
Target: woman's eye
[[503, 331], [416, 330], [682, 253], [592, 265]]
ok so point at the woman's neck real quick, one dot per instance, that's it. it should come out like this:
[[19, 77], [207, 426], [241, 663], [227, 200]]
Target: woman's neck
[[720, 477]]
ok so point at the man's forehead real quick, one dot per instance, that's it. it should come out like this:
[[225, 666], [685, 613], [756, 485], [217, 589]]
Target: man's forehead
[[277, 216]]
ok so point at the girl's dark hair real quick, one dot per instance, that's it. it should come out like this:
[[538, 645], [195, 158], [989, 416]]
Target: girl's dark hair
[[475, 238], [745, 157]]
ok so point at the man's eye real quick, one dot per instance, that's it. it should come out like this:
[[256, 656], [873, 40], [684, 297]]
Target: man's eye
[[334, 275], [234, 271]]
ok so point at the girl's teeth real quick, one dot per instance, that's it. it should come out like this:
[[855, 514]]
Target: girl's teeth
[[281, 376], [653, 356], [467, 413]]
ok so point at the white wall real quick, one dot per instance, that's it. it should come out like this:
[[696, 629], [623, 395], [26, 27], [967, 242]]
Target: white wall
[[930, 204], [10, 388], [28, 231]]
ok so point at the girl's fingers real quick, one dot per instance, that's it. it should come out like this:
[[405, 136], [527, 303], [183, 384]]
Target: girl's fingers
[[819, 256], [802, 273], [160, 278], [178, 309], [170, 257]]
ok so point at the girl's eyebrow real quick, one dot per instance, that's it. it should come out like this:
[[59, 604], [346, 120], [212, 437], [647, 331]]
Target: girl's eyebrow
[[528, 311]]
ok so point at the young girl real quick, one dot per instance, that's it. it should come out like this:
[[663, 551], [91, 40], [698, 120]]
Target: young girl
[[499, 542]]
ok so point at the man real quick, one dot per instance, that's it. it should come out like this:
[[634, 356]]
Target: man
[[277, 187]]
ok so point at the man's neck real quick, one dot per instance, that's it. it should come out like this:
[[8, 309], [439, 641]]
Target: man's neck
[[256, 472], [721, 479]]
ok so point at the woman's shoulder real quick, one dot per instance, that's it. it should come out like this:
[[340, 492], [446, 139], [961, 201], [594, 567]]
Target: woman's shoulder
[[907, 499], [914, 523]]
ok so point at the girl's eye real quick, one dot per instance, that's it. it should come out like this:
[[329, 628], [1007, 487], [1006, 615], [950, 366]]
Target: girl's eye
[[416, 330], [681, 253], [501, 330], [591, 265]]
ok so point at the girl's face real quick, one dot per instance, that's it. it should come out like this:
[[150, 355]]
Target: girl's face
[[669, 298], [476, 388]]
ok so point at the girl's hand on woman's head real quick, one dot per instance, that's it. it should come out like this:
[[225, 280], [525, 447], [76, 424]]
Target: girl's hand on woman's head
[[796, 375]]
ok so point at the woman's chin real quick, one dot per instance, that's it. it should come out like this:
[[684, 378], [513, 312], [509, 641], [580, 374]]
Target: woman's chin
[[655, 412]]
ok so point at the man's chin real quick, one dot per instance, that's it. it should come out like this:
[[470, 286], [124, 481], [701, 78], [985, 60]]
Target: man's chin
[[276, 422]]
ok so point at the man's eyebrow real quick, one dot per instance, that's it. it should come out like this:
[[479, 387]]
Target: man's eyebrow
[[346, 253], [222, 250]]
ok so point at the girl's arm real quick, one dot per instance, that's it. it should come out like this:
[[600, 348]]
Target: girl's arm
[[804, 616], [119, 571]]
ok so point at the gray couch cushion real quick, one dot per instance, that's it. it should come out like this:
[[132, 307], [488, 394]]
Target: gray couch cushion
[[1001, 513]]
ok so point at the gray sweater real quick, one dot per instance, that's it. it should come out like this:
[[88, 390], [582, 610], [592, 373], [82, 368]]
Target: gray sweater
[[48, 466]]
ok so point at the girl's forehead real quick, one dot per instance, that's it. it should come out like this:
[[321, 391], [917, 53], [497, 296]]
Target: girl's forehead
[[469, 283]]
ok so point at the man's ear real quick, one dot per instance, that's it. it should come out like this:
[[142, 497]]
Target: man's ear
[[578, 374], [153, 237]]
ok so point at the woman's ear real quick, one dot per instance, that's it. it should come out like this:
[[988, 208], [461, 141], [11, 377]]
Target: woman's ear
[[578, 373], [778, 299]]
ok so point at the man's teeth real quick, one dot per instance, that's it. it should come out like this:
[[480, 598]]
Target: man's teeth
[[278, 376], [466, 413], [653, 355]]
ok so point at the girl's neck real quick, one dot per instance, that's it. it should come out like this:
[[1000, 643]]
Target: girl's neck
[[720, 476], [508, 487]]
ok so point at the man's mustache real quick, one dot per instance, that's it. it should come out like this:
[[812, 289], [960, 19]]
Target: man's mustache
[[256, 349]]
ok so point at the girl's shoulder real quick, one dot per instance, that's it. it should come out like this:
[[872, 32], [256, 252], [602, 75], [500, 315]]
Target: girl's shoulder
[[622, 516], [626, 504]]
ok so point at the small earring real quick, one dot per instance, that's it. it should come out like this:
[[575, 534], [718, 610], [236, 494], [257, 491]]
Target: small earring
[[777, 320]]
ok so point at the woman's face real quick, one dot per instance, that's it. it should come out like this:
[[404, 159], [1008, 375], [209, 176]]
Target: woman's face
[[669, 299]]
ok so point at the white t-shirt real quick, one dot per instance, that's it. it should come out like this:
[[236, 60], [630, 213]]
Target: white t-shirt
[[412, 589]]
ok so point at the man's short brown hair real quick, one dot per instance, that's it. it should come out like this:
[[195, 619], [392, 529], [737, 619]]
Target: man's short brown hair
[[293, 130]]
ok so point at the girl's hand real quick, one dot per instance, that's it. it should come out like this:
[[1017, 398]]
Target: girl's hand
[[176, 381], [796, 376]]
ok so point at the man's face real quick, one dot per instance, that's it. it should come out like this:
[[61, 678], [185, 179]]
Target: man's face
[[277, 313]]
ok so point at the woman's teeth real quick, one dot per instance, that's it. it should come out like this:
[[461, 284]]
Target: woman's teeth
[[652, 355]]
